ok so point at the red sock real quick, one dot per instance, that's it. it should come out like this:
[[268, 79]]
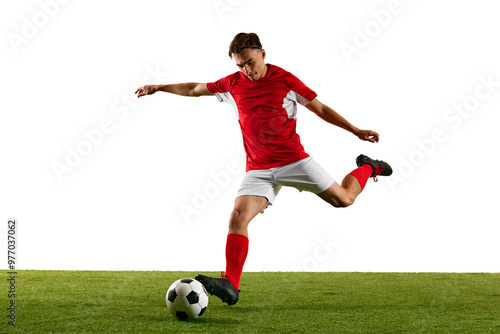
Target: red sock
[[362, 173], [236, 254]]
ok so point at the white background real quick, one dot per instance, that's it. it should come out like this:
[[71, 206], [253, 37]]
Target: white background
[[68, 67]]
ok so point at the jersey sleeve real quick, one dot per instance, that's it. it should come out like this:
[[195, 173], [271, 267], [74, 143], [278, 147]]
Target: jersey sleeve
[[221, 88], [299, 91]]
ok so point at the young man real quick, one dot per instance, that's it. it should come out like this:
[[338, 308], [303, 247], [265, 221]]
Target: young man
[[265, 98]]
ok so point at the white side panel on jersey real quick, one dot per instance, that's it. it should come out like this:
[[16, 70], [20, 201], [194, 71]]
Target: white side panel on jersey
[[290, 103], [227, 97]]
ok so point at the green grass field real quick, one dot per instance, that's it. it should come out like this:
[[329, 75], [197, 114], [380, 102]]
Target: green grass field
[[134, 302]]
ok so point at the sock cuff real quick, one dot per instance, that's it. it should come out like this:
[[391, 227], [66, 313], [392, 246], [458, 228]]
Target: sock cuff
[[362, 174], [237, 237]]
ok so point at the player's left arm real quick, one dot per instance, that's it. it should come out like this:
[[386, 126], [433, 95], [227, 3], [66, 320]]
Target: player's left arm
[[331, 116]]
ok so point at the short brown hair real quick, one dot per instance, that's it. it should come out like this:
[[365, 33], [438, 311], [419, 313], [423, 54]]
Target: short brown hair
[[244, 41]]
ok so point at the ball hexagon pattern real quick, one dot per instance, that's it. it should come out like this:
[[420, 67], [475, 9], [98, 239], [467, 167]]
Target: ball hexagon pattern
[[187, 298]]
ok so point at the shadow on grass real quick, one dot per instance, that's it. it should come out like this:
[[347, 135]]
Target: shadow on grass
[[208, 320]]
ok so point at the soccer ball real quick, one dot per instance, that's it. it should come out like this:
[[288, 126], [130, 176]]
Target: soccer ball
[[187, 298]]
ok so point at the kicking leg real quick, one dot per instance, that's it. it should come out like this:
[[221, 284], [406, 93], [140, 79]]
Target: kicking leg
[[345, 194], [341, 196]]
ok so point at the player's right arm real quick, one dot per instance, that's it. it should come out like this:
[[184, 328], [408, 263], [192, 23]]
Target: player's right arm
[[184, 89]]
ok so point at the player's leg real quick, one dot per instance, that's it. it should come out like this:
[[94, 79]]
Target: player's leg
[[345, 194], [257, 190], [246, 207]]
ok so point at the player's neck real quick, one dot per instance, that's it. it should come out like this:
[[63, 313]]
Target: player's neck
[[265, 71]]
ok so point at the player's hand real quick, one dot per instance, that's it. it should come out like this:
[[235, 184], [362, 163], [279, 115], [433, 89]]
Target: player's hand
[[146, 90], [368, 135]]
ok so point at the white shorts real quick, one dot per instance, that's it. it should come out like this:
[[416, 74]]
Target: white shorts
[[305, 174]]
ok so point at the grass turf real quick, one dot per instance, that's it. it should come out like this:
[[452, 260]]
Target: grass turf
[[134, 302]]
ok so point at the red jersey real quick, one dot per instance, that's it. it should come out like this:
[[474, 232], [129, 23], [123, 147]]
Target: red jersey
[[267, 113]]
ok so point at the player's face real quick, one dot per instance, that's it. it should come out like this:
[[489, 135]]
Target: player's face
[[251, 63]]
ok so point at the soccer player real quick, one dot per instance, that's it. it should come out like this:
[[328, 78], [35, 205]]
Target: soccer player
[[265, 98]]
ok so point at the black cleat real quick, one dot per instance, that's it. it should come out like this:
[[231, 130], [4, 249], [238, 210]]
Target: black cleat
[[220, 287], [379, 167]]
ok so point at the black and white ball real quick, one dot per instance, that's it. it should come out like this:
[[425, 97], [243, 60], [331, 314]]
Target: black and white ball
[[187, 298]]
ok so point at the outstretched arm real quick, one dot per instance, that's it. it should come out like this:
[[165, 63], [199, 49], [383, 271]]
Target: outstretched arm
[[184, 89], [332, 117]]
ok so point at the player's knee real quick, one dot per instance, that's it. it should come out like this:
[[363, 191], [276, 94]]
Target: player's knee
[[238, 219], [348, 201], [342, 202]]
